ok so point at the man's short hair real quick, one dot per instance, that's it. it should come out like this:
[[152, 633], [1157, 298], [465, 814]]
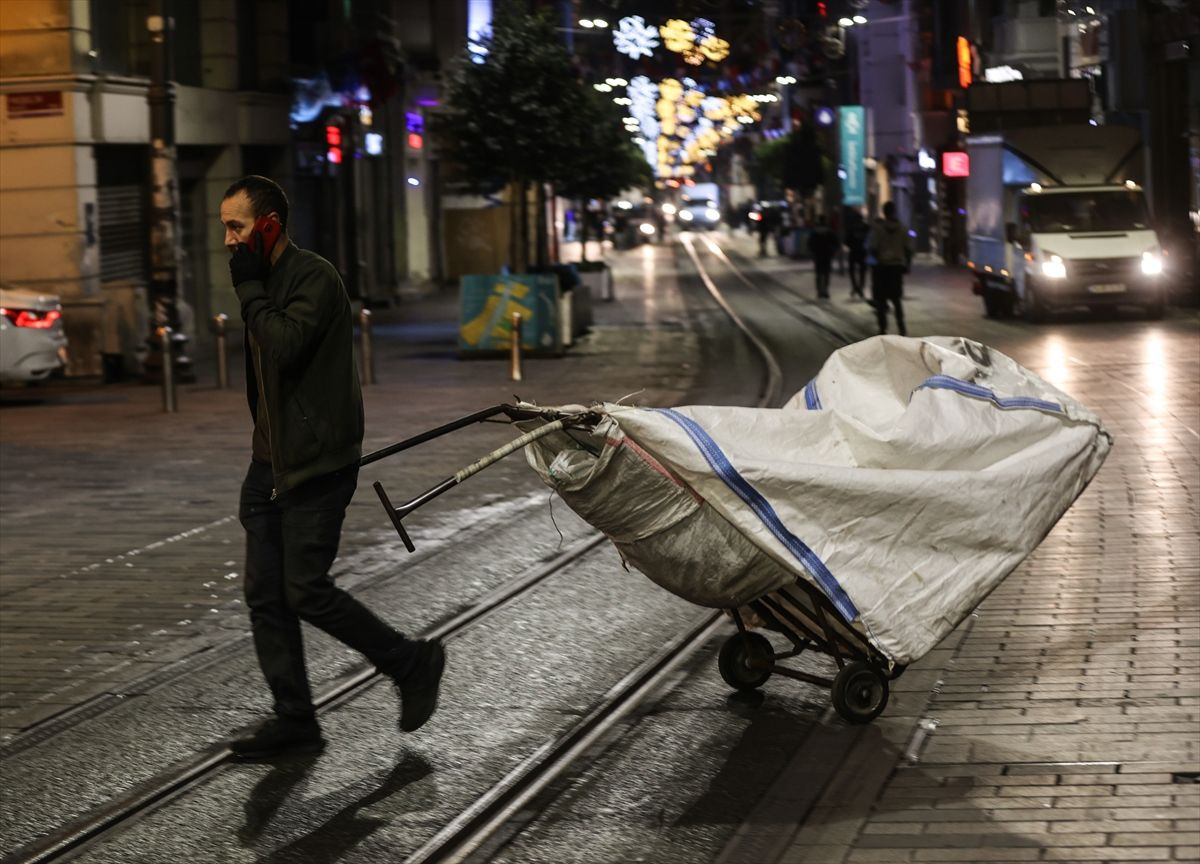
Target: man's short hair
[[889, 210], [266, 196]]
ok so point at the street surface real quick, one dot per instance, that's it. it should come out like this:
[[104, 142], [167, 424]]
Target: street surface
[[1060, 722]]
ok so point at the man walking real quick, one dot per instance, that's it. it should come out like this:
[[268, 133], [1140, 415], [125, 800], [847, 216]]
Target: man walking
[[306, 404], [856, 252], [890, 247], [822, 243]]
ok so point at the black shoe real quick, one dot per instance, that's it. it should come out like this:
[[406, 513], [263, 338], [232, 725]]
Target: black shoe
[[277, 736], [419, 688]]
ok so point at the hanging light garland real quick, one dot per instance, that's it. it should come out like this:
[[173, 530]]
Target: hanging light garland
[[677, 124]]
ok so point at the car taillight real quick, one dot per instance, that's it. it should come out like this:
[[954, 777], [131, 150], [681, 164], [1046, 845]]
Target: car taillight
[[755, 217], [31, 317]]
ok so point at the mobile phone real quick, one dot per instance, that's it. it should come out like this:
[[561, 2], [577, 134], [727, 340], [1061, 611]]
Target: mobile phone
[[268, 229]]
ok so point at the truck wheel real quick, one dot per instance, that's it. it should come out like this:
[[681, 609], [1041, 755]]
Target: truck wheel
[[1032, 305], [1155, 310]]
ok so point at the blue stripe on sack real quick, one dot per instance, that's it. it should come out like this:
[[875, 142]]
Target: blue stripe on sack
[[946, 382], [811, 399], [765, 512]]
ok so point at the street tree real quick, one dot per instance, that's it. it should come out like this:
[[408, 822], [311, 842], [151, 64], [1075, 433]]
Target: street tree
[[602, 160], [511, 117]]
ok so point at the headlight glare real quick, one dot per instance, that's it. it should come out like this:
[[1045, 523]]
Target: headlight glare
[[1151, 264], [686, 215], [646, 228], [1054, 268]]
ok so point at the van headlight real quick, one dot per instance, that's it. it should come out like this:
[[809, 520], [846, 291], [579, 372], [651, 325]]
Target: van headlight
[[686, 215], [712, 214], [646, 228], [1054, 268], [1151, 263]]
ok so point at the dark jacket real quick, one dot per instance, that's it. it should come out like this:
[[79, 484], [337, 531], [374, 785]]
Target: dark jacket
[[300, 333], [889, 243], [822, 243]]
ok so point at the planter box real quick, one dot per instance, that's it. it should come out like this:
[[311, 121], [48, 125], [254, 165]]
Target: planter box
[[486, 304], [600, 283]]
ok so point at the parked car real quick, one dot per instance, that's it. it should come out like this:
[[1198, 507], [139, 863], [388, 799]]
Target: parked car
[[33, 345]]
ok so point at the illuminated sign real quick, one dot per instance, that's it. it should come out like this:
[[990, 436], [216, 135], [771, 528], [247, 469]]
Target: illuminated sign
[[852, 137], [962, 50], [998, 74], [956, 163]]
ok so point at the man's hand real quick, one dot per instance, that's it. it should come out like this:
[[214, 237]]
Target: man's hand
[[247, 263]]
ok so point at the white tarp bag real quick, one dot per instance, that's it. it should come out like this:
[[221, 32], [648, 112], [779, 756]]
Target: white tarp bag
[[905, 481]]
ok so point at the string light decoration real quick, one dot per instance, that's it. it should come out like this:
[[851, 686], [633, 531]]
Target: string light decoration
[[690, 124], [634, 37], [675, 122], [677, 35], [697, 40]]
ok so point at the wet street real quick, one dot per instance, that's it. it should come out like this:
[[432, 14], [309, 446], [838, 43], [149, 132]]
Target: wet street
[[1060, 721]]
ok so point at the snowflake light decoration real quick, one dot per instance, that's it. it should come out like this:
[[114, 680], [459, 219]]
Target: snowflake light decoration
[[634, 37]]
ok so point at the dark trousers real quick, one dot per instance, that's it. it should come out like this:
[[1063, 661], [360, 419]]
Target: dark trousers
[[822, 270], [858, 274], [290, 545], [887, 286]]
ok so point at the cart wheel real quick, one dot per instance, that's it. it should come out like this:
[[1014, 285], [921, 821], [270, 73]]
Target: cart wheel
[[745, 660], [859, 692]]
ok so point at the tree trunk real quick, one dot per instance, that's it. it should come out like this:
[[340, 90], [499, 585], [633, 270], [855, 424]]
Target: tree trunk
[[541, 241], [514, 232], [583, 230], [523, 257]]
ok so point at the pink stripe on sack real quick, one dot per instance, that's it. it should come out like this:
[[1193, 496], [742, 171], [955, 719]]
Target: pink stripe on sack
[[652, 462]]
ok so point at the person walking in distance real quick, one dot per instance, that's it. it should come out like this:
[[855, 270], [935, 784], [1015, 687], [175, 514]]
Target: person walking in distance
[[856, 253], [889, 245], [822, 243], [306, 404]]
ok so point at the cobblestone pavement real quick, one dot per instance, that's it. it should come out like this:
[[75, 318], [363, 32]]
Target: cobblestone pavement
[[1061, 722], [120, 546], [1067, 708]]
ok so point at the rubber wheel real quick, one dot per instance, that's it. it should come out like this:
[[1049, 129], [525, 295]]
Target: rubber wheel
[[745, 660], [859, 692], [1035, 312], [991, 308]]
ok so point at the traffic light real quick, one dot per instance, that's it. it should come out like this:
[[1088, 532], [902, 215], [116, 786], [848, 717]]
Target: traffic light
[[822, 9], [333, 144]]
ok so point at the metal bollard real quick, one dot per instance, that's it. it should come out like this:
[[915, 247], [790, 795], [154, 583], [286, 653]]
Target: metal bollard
[[366, 355], [219, 323], [170, 406], [515, 364]]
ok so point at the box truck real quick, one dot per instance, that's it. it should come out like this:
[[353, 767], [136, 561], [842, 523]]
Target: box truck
[[1057, 218]]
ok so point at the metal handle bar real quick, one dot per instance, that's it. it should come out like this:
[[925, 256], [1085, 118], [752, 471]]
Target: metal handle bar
[[397, 514]]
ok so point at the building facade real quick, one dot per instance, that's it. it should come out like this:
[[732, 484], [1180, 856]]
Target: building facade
[[324, 96]]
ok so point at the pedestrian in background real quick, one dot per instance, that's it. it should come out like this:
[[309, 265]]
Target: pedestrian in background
[[822, 244], [306, 404], [856, 253], [890, 246], [768, 224]]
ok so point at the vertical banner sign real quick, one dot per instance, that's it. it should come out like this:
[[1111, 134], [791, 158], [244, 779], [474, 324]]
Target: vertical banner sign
[[852, 133]]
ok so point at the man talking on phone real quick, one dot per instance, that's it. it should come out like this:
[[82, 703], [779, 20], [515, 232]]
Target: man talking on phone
[[306, 403]]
